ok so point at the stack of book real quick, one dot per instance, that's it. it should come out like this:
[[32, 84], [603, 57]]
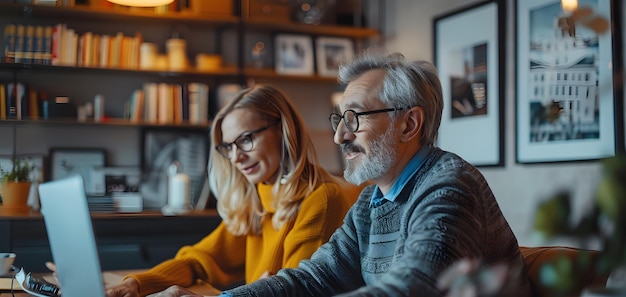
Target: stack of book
[[101, 204]]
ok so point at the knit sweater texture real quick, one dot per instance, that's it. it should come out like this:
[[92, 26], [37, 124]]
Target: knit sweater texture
[[445, 213], [222, 259]]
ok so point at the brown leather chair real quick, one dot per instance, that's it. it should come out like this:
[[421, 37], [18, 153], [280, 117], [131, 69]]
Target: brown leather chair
[[536, 257]]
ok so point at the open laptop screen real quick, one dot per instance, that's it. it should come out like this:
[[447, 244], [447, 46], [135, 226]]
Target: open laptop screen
[[70, 233]]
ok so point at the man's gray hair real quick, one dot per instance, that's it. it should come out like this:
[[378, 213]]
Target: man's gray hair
[[406, 84]]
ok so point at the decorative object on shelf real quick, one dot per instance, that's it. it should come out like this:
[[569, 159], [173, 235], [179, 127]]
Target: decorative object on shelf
[[178, 191], [177, 54], [142, 3], [294, 54], [36, 164], [208, 62], [258, 53], [313, 12], [330, 51], [606, 221], [469, 54], [565, 82], [15, 185], [70, 161], [267, 10], [160, 147]]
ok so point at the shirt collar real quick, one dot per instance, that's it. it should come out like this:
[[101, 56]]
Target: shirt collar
[[409, 170]]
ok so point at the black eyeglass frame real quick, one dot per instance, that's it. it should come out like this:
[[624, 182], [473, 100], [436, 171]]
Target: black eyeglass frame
[[356, 117], [246, 135]]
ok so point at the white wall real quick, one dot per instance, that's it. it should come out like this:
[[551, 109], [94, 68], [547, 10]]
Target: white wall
[[518, 187]]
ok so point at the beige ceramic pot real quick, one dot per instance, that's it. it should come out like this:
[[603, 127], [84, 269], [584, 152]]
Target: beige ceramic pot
[[15, 194]]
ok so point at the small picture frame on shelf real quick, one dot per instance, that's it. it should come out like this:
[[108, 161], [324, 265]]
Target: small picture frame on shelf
[[65, 162], [330, 52], [294, 54]]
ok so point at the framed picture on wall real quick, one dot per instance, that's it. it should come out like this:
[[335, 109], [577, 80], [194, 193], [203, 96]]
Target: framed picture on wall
[[294, 54], [565, 90], [161, 146], [329, 52], [469, 55]]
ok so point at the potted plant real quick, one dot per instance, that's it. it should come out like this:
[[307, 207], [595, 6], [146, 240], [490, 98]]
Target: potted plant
[[15, 185]]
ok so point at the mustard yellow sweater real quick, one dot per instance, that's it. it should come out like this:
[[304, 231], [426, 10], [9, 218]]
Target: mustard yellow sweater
[[222, 259]]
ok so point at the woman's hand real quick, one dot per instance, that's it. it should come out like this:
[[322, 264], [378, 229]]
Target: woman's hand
[[175, 291], [128, 288]]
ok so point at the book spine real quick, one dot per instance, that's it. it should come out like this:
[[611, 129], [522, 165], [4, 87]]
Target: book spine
[[47, 46], [152, 102], [185, 101], [138, 105], [19, 43], [38, 47], [3, 102], [20, 101], [33, 104], [57, 40], [9, 43], [178, 104], [29, 44], [11, 98], [166, 104]]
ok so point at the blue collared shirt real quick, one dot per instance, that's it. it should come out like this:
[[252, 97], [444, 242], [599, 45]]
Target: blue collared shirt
[[411, 168]]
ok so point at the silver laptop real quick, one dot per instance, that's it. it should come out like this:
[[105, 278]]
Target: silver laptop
[[70, 233]]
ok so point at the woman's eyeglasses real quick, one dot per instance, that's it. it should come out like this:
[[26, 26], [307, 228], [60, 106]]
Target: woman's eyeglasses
[[244, 142], [351, 118]]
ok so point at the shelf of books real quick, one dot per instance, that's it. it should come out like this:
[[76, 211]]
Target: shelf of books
[[155, 104]]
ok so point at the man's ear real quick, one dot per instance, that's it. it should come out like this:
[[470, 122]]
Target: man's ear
[[413, 124]]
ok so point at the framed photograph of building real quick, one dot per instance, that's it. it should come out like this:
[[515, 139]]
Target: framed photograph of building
[[330, 52], [565, 90], [294, 54], [469, 55]]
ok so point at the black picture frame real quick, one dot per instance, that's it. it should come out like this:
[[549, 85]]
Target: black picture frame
[[469, 51], [566, 98], [160, 147]]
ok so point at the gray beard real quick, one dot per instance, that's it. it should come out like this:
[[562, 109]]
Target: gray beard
[[376, 163]]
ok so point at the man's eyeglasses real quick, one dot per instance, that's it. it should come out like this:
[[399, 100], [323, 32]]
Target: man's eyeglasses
[[351, 118], [243, 142]]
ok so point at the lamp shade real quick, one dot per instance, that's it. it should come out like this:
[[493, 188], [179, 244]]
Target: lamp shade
[[142, 3]]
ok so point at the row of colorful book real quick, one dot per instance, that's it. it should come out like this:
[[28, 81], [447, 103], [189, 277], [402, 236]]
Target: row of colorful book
[[158, 103], [63, 46]]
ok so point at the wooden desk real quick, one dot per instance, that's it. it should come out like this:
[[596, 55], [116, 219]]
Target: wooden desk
[[125, 241], [112, 278]]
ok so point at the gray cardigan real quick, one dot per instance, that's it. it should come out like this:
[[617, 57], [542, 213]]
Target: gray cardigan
[[446, 212]]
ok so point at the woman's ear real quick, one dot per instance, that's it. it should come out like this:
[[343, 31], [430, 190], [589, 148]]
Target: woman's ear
[[413, 124]]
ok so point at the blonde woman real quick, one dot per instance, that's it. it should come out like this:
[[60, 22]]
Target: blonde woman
[[277, 205]]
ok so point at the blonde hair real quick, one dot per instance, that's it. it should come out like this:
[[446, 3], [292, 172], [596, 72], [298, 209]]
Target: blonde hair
[[237, 200]]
